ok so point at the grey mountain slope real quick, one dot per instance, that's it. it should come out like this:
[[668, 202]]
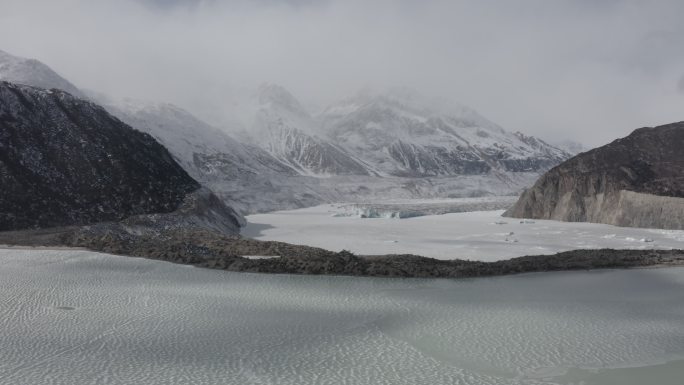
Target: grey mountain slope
[[205, 151], [66, 161], [285, 129], [634, 181]]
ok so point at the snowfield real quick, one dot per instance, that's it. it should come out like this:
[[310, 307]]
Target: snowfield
[[479, 235], [77, 317]]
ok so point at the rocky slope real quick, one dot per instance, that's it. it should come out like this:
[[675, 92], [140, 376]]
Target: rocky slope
[[634, 181], [66, 161]]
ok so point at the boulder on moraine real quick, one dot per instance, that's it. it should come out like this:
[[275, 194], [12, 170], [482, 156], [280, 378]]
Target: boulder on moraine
[[635, 181], [66, 161]]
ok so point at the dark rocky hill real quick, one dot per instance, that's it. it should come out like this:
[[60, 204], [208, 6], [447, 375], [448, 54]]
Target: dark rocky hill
[[634, 181], [66, 161]]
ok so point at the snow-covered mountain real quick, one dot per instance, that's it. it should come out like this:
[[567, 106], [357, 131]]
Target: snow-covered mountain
[[31, 72], [205, 151], [244, 175], [285, 129], [402, 134], [395, 133], [368, 147]]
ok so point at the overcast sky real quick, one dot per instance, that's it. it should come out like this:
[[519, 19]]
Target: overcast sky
[[587, 70]]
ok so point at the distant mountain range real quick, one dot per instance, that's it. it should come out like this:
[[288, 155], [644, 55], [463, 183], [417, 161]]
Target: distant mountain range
[[394, 133], [393, 143]]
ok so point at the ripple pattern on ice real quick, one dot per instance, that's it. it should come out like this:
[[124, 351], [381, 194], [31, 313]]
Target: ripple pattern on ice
[[136, 321]]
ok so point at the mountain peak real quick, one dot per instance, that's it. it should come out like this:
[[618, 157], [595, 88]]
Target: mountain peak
[[407, 102], [32, 72], [279, 97]]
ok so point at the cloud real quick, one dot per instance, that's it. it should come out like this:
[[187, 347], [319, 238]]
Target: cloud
[[582, 70]]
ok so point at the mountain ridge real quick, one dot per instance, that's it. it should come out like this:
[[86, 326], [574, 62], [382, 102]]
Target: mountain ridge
[[66, 161], [33, 73], [635, 181]]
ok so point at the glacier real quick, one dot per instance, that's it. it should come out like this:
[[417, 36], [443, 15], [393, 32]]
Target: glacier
[[475, 235], [410, 208]]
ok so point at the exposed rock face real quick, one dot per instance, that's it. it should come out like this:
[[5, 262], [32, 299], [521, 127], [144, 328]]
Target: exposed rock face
[[66, 161], [634, 181]]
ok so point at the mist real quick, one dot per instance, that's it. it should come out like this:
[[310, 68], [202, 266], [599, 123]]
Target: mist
[[588, 71]]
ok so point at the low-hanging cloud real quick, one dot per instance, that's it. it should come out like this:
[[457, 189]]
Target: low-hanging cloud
[[583, 70]]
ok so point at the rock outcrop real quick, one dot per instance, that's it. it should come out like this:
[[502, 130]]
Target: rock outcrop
[[635, 181], [66, 161]]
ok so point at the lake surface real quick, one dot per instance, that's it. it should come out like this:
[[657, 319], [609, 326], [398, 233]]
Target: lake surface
[[480, 235], [76, 317]]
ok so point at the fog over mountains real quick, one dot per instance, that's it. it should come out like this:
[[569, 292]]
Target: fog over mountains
[[598, 69], [394, 143]]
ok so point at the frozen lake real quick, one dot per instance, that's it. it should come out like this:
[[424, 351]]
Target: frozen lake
[[77, 317], [480, 235]]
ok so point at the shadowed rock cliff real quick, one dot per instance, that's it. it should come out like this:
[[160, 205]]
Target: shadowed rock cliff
[[66, 161], [634, 181]]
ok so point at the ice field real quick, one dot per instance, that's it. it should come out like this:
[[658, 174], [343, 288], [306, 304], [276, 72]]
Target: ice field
[[479, 235], [77, 317]]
